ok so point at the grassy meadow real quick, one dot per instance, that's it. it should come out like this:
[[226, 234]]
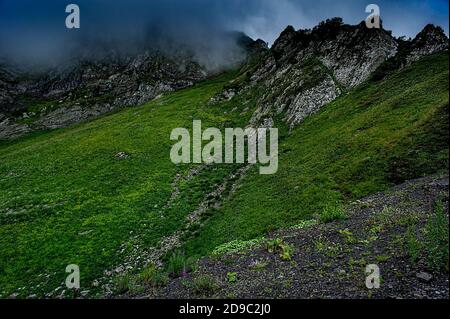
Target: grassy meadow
[[65, 198]]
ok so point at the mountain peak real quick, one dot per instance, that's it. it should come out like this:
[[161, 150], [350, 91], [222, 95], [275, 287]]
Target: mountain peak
[[430, 40], [431, 34]]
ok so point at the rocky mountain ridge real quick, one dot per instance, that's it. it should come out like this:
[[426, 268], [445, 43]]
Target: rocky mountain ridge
[[306, 69], [59, 98], [89, 89], [303, 71]]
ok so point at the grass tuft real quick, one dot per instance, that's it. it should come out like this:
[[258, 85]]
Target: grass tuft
[[332, 212]]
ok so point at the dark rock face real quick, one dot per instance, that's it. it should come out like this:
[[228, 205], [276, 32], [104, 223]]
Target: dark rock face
[[89, 89], [430, 40], [306, 69]]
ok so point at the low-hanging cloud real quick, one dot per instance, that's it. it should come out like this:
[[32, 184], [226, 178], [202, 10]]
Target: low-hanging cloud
[[34, 32]]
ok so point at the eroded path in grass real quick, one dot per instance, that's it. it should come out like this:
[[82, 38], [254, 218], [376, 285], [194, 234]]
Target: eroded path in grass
[[140, 257]]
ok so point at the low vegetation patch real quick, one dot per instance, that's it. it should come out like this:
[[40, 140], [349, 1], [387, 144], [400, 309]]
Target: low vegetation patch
[[332, 212], [178, 264], [236, 246], [203, 284], [437, 240], [431, 243], [280, 247], [153, 276]]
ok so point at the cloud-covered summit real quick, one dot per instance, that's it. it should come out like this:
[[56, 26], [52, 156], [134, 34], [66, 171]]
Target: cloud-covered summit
[[34, 32]]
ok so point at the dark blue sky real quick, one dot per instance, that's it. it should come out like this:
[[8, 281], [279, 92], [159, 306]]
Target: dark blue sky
[[33, 29]]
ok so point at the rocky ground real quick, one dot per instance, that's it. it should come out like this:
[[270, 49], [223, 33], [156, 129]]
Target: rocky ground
[[329, 260]]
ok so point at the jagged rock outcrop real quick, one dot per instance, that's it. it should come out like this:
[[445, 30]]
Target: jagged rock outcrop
[[430, 40], [306, 69]]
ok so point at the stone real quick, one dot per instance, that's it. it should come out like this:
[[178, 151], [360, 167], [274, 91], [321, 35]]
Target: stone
[[122, 155], [424, 276]]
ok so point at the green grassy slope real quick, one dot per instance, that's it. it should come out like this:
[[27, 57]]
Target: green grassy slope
[[65, 198], [380, 134]]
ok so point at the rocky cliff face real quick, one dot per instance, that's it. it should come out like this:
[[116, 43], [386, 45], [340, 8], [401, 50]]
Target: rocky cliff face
[[91, 88], [430, 40], [88, 89], [306, 69]]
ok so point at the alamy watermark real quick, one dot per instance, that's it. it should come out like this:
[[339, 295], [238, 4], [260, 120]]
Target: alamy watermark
[[373, 279], [73, 19], [73, 279], [228, 148], [374, 19]]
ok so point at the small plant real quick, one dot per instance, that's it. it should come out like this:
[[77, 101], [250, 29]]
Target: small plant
[[413, 244], [382, 258], [279, 246], [409, 220], [376, 229], [204, 284], [320, 245], [232, 277], [236, 246], [122, 283], [332, 212], [273, 245], [153, 276], [179, 265], [348, 236], [329, 249], [258, 265], [286, 252], [305, 224], [437, 240], [359, 263]]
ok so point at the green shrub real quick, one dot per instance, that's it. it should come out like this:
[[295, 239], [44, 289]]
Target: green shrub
[[280, 247], [122, 283], [274, 245], [413, 245], [178, 264], [153, 276], [286, 251], [437, 240], [204, 284], [332, 212], [232, 277]]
